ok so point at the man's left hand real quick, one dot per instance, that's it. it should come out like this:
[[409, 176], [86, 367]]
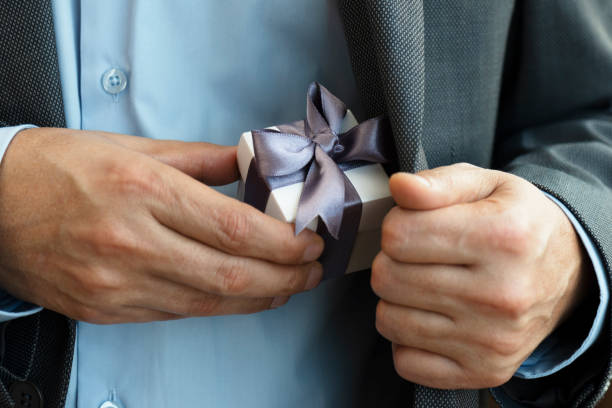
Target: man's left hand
[[477, 268]]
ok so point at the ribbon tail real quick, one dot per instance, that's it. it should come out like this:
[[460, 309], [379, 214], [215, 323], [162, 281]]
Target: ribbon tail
[[323, 195], [337, 253]]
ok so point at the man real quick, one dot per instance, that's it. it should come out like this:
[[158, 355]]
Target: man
[[482, 278]]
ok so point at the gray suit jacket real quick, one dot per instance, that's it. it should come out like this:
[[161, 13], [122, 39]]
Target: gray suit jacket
[[523, 86]]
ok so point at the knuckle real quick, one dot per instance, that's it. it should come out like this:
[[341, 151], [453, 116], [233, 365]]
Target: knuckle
[[513, 235], [109, 237], [107, 281], [295, 280], [259, 305], [479, 376], [392, 233], [231, 277], [379, 278], [382, 318], [97, 283], [466, 165], [446, 176], [411, 371], [496, 378], [503, 345], [467, 380], [92, 315], [234, 229], [292, 251], [81, 279], [514, 300], [418, 327], [130, 178], [203, 306], [401, 368]]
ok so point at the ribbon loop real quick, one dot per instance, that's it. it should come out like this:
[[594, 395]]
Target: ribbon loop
[[317, 151]]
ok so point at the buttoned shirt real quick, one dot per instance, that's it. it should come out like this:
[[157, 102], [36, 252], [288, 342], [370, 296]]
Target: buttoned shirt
[[207, 70]]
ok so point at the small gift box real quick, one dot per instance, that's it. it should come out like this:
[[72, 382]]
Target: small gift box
[[323, 173]]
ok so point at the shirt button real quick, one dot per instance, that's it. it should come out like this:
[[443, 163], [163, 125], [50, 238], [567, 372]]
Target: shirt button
[[114, 81], [26, 395]]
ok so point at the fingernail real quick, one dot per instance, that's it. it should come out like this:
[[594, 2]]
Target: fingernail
[[279, 301], [313, 251], [314, 276], [423, 181]]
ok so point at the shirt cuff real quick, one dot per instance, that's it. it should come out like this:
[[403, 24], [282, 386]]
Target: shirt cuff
[[7, 134], [555, 352], [11, 307]]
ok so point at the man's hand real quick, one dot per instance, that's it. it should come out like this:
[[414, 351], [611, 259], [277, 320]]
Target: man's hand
[[109, 228], [477, 268]]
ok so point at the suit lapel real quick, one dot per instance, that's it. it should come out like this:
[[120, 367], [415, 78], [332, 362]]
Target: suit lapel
[[386, 40], [30, 86], [36, 350]]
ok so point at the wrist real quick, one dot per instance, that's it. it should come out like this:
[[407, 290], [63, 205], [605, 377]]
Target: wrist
[[573, 263]]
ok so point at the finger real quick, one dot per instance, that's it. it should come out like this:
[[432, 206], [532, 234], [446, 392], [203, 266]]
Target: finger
[[123, 314], [450, 235], [209, 163], [437, 288], [414, 327], [176, 299], [443, 186], [428, 369], [199, 212], [206, 269], [143, 315]]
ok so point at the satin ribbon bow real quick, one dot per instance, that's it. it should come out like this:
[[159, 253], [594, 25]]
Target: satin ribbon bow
[[318, 150]]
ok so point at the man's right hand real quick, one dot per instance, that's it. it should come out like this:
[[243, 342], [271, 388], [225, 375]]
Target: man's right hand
[[109, 228]]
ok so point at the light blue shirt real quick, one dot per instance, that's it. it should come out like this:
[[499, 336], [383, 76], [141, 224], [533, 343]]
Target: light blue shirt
[[207, 70]]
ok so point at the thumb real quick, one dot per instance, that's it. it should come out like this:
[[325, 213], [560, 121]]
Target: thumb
[[443, 186], [209, 163]]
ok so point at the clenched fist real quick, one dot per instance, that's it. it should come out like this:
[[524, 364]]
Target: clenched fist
[[477, 268], [110, 228]]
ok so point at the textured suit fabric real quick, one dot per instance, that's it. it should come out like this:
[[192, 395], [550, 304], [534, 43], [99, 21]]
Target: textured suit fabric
[[30, 87], [38, 348], [387, 39], [387, 42], [522, 86], [555, 130]]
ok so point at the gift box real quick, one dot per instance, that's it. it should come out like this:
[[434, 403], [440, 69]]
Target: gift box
[[323, 173]]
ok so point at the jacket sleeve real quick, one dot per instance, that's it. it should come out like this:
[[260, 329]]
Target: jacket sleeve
[[578, 334], [555, 130]]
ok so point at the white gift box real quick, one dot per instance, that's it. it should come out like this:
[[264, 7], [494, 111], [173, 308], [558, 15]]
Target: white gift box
[[370, 181]]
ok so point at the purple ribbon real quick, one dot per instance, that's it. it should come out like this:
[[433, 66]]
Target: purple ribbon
[[315, 152], [318, 149]]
